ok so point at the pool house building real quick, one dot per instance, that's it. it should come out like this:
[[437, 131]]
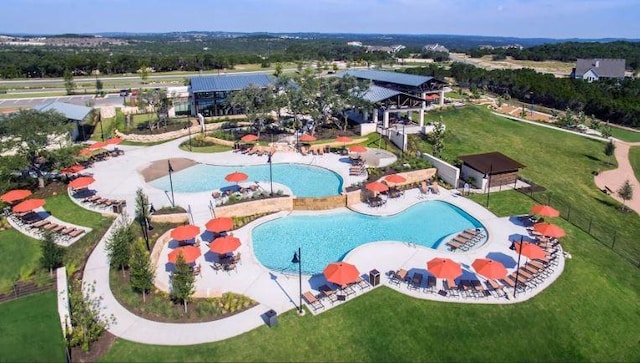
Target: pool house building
[[494, 168], [209, 94]]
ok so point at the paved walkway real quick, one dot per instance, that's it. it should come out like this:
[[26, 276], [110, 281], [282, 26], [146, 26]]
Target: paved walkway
[[118, 178], [614, 179]]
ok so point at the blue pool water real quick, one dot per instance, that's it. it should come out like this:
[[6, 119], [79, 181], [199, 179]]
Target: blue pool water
[[328, 238], [303, 180]]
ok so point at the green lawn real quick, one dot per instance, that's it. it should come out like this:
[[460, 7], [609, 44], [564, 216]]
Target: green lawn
[[30, 330], [625, 135], [634, 158], [19, 258], [215, 148]]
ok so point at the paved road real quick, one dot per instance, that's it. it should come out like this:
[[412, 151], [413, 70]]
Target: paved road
[[109, 100]]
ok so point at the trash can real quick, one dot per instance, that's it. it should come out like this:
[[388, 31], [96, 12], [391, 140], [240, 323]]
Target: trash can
[[271, 318], [374, 277], [116, 208]]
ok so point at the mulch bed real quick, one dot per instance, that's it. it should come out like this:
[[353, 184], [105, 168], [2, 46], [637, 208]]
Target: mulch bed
[[98, 348]]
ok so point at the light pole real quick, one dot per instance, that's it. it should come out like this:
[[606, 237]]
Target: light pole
[[297, 258], [518, 268], [489, 183], [173, 200], [531, 99], [101, 130], [270, 171]]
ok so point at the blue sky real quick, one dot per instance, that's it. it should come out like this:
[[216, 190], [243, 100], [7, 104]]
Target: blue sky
[[519, 18]]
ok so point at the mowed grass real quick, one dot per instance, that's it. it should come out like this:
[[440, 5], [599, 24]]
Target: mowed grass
[[30, 330], [19, 258], [634, 159], [625, 135]]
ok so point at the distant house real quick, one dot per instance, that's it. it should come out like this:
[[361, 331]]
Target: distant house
[[74, 113], [595, 69], [388, 49], [435, 48], [355, 44]]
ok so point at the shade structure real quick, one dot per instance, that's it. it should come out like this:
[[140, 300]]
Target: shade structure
[[344, 139], [395, 178], [545, 211], [489, 268], [114, 141], [549, 230], [28, 205], [81, 182], [98, 145], [307, 138], [15, 195], [444, 268], [530, 250], [249, 138], [341, 273], [183, 233], [218, 225], [357, 149], [236, 177], [377, 187], [72, 169], [189, 254], [224, 244]]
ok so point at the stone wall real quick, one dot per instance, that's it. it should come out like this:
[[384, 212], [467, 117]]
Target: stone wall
[[158, 246], [354, 197], [255, 207], [170, 218], [332, 202], [167, 135]]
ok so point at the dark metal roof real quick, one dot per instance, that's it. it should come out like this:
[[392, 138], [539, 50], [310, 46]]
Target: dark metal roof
[[494, 163], [387, 77], [230, 82], [603, 68], [376, 94]]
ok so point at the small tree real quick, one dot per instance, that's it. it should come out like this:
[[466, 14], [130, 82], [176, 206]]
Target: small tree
[[99, 87], [625, 193], [606, 131], [182, 282], [141, 272], [142, 214], [609, 149], [52, 254], [87, 322], [277, 72], [144, 74], [69, 86], [437, 138], [119, 246]]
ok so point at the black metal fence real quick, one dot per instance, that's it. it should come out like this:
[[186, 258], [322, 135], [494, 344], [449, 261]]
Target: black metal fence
[[608, 235], [27, 287]]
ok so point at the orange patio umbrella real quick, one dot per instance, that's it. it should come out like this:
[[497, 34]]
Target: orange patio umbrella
[[15, 195], [224, 245], [489, 268], [444, 268], [236, 177], [114, 141], [98, 145], [549, 230], [530, 250], [341, 273], [28, 205], [357, 149], [344, 139], [81, 182], [377, 187], [218, 225], [545, 211], [249, 138], [73, 169], [183, 233], [189, 254], [307, 138], [395, 178]]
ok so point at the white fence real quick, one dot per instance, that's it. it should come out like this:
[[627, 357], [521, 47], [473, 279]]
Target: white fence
[[64, 310], [447, 172]]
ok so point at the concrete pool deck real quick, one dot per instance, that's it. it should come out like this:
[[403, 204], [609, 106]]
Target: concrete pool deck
[[118, 178]]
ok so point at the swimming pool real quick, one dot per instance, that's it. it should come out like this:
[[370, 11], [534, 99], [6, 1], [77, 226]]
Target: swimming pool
[[303, 180], [328, 238]]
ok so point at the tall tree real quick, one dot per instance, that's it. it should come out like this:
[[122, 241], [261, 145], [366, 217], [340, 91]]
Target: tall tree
[[609, 149], [625, 193], [52, 254], [142, 214], [69, 85], [141, 272], [99, 87], [120, 245], [278, 70], [182, 282], [256, 102]]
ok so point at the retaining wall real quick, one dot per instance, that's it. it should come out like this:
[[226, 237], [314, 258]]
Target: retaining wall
[[255, 207], [447, 172]]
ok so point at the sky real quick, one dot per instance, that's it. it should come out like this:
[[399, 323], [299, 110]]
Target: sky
[[516, 18]]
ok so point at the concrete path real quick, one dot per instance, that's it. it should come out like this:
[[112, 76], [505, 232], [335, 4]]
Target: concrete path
[[614, 179]]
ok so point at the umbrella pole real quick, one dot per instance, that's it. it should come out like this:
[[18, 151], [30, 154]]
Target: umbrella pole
[[518, 268]]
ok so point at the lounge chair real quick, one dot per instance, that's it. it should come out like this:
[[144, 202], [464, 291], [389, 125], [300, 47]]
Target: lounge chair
[[431, 284], [424, 190], [416, 281], [450, 287], [328, 293], [362, 283], [76, 233], [435, 188], [312, 301]]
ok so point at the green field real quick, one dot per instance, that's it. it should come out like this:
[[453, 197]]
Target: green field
[[30, 330], [634, 158], [625, 135], [19, 258]]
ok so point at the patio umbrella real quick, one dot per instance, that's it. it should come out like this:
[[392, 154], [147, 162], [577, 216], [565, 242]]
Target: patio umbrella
[[28, 205], [444, 268], [189, 254], [73, 169], [489, 268], [218, 225], [357, 149], [183, 233], [98, 145], [236, 177], [545, 211], [549, 230], [377, 187], [249, 138], [395, 178], [81, 182], [15, 195], [224, 245], [307, 138], [344, 139], [341, 273], [530, 250], [114, 141]]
